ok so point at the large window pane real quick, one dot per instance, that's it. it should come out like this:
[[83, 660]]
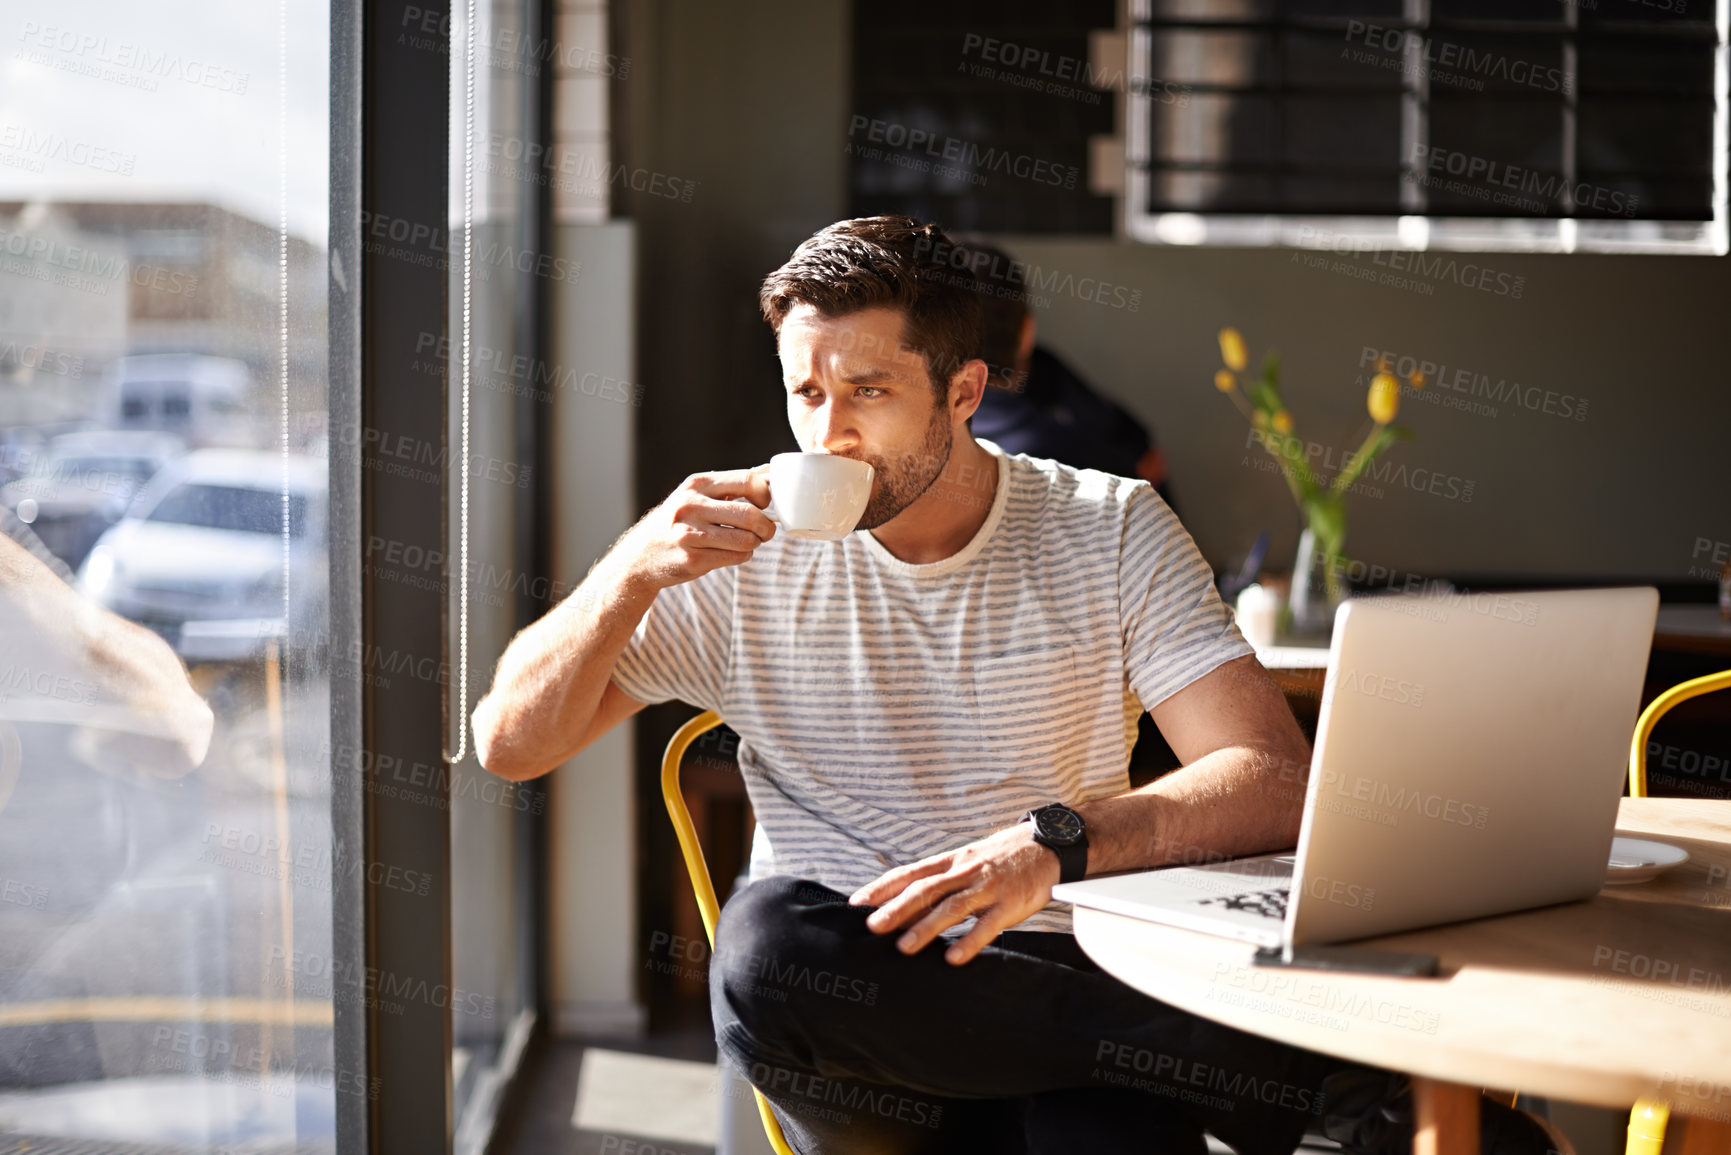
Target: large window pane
[[165, 851]]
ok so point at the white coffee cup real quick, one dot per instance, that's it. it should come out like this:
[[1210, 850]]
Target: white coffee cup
[[818, 495]]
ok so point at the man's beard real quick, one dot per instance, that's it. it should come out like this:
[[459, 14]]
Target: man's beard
[[900, 485]]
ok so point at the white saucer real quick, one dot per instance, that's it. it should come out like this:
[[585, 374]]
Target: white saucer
[[1638, 859]]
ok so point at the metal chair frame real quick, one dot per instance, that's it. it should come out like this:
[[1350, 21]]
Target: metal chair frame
[[695, 864]]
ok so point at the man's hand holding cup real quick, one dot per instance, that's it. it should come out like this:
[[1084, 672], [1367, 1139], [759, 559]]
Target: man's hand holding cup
[[710, 520], [717, 519]]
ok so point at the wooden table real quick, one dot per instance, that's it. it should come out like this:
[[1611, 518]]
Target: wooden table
[[1621, 997], [1699, 629], [1693, 629]]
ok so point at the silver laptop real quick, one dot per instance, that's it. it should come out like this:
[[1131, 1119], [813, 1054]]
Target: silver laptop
[[1469, 760]]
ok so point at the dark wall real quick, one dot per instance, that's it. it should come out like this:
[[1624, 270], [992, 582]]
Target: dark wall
[[749, 100], [1620, 478], [941, 127]]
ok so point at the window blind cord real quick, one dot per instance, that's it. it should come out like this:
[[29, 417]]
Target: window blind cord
[[283, 301]]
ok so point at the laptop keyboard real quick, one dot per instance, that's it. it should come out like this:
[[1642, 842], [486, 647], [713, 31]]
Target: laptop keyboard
[[1267, 903]]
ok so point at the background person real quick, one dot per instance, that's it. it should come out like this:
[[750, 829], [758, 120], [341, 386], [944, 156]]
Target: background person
[[1040, 406]]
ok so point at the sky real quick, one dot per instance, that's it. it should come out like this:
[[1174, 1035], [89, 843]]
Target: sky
[[139, 100]]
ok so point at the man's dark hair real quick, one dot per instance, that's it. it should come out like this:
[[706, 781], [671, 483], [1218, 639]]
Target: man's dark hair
[[889, 262], [1003, 307]]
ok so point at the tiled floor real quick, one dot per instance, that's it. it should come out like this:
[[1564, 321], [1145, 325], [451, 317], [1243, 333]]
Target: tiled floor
[[632, 1097], [639, 1097], [629, 1108]]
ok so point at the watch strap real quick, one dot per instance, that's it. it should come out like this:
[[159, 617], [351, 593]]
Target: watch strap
[[1072, 862]]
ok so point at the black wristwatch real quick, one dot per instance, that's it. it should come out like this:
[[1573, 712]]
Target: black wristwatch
[[1062, 829]]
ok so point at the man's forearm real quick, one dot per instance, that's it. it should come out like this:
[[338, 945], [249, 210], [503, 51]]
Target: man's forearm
[[552, 676], [1238, 800], [1235, 800]]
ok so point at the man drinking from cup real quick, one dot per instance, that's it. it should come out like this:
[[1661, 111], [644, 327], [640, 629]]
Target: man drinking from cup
[[935, 714]]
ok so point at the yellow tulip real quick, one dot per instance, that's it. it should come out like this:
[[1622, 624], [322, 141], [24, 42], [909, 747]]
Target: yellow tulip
[[1232, 350], [1283, 422], [1225, 382], [1384, 399], [1417, 378]]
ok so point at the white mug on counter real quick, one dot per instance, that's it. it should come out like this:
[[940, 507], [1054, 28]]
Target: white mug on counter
[[1258, 614]]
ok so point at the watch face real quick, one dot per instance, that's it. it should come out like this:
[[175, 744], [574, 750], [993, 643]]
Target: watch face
[[1059, 824]]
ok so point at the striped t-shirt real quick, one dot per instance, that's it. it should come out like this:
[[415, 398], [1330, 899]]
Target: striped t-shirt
[[888, 711]]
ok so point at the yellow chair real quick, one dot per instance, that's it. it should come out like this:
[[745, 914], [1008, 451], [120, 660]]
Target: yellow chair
[[1681, 692], [707, 906], [1647, 1121]]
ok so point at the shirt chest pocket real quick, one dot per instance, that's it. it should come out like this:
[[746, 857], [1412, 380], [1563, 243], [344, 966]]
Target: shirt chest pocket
[[1025, 704]]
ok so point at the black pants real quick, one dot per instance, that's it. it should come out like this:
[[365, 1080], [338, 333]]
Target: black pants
[[1030, 1047]]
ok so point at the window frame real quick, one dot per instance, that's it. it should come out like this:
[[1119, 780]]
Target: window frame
[[1360, 234], [389, 158], [352, 1028], [389, 150]]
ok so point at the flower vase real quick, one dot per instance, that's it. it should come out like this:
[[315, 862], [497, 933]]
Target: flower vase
[[1311, 603]]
